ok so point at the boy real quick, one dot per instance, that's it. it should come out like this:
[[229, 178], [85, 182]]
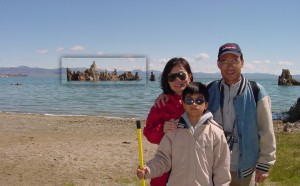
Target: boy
[[197, 152]]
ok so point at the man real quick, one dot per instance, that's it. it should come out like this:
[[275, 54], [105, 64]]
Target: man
[[247, 123]]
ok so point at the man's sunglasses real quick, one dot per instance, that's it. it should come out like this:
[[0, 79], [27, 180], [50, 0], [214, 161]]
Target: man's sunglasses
[[198, 101], [180, 75]]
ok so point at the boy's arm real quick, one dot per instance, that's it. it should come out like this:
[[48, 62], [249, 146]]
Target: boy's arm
[[161, 162], [221, 167]]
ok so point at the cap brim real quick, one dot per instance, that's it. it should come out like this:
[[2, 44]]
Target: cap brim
[[231, 52]]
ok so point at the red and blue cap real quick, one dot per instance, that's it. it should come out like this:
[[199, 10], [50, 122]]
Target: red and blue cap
[[230, 48]]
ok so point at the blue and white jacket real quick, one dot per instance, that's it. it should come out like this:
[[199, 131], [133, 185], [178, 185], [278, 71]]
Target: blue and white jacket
[[256, 139]]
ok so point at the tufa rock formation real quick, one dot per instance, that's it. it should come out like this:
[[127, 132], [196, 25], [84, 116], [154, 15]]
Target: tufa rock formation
[[92, 74], [286, 78], [152, 77]]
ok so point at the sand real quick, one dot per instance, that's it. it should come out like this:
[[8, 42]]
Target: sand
[[67, 150], [71, 151]]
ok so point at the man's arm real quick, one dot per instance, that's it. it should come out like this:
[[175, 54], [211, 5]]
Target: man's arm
[[267, 142]]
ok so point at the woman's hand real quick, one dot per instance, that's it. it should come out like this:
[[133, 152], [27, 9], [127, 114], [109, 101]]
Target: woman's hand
[[161, 99], [170, 125]]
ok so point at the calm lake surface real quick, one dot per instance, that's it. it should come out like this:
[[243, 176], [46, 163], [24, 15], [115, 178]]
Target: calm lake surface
[[56, 96]]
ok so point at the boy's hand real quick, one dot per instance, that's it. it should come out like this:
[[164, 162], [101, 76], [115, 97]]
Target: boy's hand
[[163, 99], [170, 125], [141, 172]]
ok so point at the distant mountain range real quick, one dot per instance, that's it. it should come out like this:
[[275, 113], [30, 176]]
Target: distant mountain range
[[24, 70], [29, 71]]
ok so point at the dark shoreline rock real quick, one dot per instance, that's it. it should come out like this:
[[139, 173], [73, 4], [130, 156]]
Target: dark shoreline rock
[[292, 115], [280, 126], [294, 112]]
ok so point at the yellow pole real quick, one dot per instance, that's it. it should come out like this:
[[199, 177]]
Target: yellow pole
[[139, 134]]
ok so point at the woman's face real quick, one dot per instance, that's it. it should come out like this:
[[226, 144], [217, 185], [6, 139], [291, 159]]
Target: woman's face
[[176, 79]]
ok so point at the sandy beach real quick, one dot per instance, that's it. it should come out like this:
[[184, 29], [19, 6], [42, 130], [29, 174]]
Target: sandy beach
[[44, 150], [69, 150]]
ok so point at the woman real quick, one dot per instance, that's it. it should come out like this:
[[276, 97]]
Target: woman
[[176, 76]]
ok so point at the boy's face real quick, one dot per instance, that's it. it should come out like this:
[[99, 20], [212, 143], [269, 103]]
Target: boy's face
[[195, 104]]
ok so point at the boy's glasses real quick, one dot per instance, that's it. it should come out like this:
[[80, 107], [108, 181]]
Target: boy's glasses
[[234, 62], [198, 101], [180, 75]]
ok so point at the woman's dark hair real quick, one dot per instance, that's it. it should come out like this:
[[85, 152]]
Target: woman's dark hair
[[164, 84], [196, 88]]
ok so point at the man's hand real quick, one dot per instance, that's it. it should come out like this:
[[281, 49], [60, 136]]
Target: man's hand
[[260, 176], [162, 99]]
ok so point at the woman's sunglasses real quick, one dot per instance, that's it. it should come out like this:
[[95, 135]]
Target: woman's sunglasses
[[198, 101], [180, 75]]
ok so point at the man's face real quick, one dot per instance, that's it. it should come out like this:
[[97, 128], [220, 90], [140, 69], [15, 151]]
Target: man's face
[[231, 68]]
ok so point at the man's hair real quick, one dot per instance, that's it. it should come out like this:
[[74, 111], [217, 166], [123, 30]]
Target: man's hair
[[196, 88], [164, 84]]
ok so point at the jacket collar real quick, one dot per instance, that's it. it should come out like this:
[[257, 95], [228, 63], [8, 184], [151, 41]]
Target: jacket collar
[[241, 88], [184, 121]]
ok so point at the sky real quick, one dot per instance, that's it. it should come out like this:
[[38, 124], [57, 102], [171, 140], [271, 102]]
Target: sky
[[38, 33], [106, 63]]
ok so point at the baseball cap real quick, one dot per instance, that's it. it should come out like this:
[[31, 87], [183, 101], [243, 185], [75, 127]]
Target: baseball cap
[[230, 48]]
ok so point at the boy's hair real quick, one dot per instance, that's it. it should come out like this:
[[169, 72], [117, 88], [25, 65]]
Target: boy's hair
[[196, 88]]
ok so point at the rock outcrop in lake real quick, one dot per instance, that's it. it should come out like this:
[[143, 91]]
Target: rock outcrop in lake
[[92, 74], [286, 78], [152, 77]]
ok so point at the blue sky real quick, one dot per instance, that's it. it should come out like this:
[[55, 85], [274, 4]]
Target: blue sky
[[40, 33]]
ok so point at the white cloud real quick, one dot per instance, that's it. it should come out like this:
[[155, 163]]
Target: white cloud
[[157, 64], [249, 66], [77, 48], [100, 53], [261, 62], [43, 51], [59, 49], [256, 66], [202, 56], [288, 63], [130, 59]]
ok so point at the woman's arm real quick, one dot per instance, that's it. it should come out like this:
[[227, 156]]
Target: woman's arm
[[161, 100], [153, 130]]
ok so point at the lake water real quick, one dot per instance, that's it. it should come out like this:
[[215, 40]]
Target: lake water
[[56, 96]]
